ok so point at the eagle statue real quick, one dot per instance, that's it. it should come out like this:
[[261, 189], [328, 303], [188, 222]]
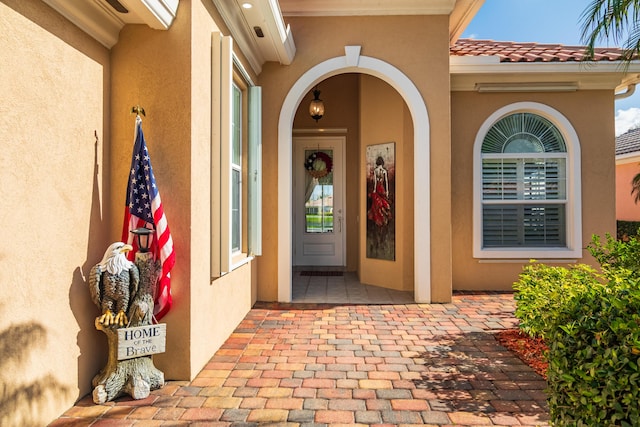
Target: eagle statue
[[113, 282]]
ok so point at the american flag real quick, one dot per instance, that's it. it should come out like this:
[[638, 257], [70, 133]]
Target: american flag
[[144, 209]]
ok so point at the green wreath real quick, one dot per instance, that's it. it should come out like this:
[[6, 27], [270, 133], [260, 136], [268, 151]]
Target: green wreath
[[318, 164]]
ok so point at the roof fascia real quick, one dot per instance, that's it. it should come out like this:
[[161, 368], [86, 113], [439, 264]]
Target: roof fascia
[[633, 157], [366, 7], [469, 73], [463, 12]]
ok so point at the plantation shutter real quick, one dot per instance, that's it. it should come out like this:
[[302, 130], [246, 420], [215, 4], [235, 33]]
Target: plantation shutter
[[524, 184]]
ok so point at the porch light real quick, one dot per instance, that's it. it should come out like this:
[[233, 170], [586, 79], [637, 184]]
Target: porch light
[[316, 108], [143, 234]]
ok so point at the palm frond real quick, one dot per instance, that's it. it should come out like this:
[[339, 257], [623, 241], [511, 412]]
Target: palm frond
[[613, 21], [635, 188]]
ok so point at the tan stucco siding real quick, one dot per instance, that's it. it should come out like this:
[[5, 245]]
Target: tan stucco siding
[[169, 74], [218, 305], [417, 46], [626, 208], [591, 115], [54, 171], [382, 110], [151, 69]]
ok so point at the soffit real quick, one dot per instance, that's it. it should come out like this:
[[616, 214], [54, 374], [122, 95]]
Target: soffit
[[103, 22], [259, 31]]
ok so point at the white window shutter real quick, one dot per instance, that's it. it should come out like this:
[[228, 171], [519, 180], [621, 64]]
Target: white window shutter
[[226, 135], [216, 208], [255, 170]]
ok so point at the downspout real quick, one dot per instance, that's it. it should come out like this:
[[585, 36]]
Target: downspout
[[630, 90]]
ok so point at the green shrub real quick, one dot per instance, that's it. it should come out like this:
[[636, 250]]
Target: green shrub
[[614, 256], [593, 375], [542, 293], [591, 323]]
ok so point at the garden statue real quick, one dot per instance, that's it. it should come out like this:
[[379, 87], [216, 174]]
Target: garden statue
[[124, 291]]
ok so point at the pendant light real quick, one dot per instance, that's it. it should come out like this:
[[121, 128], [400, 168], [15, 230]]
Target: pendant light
[[316, 108]]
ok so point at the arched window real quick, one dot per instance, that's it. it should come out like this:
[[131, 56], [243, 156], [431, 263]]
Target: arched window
[[526, 175]]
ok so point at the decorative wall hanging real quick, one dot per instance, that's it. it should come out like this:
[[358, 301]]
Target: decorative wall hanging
[[318, 164], [381, 181]]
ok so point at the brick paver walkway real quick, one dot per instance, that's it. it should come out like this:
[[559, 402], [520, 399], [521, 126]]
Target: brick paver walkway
[[411, 364]]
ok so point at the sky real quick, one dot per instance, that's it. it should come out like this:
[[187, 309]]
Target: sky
[[544, 21]]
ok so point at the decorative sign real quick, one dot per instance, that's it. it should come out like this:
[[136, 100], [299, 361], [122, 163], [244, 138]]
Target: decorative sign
[[141, 341]]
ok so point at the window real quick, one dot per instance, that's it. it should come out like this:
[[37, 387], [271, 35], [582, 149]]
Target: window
[[319, 198], [525, 199], [236, 171], [236, 161]]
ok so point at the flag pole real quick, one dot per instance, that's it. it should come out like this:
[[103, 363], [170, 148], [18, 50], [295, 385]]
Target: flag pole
[[144, 207]]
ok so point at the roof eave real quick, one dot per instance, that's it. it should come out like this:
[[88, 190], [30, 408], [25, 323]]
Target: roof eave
[[102, 22], [260, 32], [463, 12], [625, 158], [471, 73]]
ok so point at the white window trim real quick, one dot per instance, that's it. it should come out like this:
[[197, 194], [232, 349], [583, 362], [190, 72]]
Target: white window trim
[[236, 167], [223, 260], [574, 188]]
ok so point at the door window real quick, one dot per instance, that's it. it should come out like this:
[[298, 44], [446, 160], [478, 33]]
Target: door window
[[318, 191]]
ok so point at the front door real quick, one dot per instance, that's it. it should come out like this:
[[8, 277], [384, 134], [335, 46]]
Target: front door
[[318, 201]]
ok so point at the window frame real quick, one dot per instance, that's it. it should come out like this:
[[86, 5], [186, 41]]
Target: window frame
[[238, 142], [573, 203], [228, 79]]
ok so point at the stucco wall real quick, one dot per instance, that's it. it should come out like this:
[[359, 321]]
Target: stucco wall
[[169, 74], [416, 45], [152, 68], [54, 171], [591, 115], [219, 305], [626, 208], [382, 113]]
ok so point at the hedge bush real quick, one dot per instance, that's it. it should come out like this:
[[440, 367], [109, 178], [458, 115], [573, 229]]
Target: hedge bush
[[543, 292], [593, 374], [591, 323]]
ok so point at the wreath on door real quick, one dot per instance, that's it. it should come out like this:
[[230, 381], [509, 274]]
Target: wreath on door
[[318, 164]]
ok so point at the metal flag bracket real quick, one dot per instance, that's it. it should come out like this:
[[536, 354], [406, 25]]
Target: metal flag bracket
[[138, 110]]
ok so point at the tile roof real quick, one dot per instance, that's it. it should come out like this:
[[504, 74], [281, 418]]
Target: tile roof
[[529, 52], [628, 142]]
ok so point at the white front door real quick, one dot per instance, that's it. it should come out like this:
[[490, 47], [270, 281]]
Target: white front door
[[318, 201]]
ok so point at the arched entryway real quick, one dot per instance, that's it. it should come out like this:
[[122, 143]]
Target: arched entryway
[[353, 62]]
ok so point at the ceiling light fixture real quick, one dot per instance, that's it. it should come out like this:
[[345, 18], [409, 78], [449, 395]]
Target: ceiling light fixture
[[316, 108], [247, 5]]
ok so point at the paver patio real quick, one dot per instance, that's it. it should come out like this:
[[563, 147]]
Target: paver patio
[[315, 365]]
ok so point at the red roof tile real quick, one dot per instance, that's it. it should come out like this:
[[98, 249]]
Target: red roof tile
[[529, 52]]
